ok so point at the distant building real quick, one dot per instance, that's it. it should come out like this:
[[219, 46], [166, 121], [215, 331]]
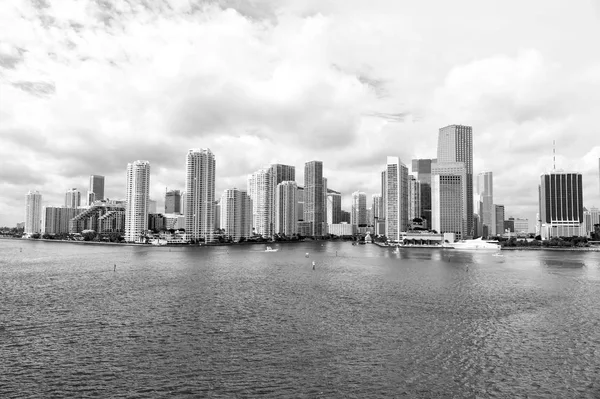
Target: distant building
[[236, 214], [152, 206], [156, 222], [136, 211], [217, 224], [285, 208], [313, 197], [561, 204], [377, 208], [260, 192], [304, 228], [56, 219], [498, 219], [509, 226], [300, 203], [173, 202], [343, 229], [422, 167], [345, 216], [396, 198], [521, 226], [200, 194], [73, 198], [358, 214], [448, 192], [455, 144], [102, 217], [414, 198], [97, 188], [174, 221], [334, 208], [590, 218], [33, 212], [485, 194]]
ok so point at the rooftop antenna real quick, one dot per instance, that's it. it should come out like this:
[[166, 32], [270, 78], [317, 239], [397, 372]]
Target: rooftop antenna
[[554, 155]]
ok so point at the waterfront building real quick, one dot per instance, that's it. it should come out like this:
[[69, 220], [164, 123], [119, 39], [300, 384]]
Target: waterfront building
[[199, 194], [396, 198], [33, 212], [324, 222], [73, 198], [422, 167], [345, 216], [102, 217], [278, 173], [448, 193], [259, 190], [343, 229], [304, 228], [236, 214], [383, 194], [334, 208], [498, 219], [591, 218], [377, 208], [521, 226], [55, 220], [137, 199], [97, 188], [174, 221], [358, 215], [156, 222], [414, 198], [313, 197], [285, 208], [217, 212], [485, 194], [455, 144], [561, 204], [300, 203], [173, 201]]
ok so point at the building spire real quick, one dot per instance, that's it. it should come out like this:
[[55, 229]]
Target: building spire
[[554, 155]]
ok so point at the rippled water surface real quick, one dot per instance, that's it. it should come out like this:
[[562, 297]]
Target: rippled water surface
[[229, 322]]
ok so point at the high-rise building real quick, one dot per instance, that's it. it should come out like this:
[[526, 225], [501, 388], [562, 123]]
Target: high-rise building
[[260, 191], [377, 207], [324, 223], [561, 204], [137, 197], [96, 187], [33, 212], [173, 202], [152, 206], [455, 144], [485, 196], [55, 220], [236, 214], [422, 167], [396, 198], [217, 212], [334, 208], [73, 198], [300, 204], [358, 212], [313, 197], [199, 194], [345, 217], [414, 199], [285, 208], [278, 173], [448, 194], [498, 219]]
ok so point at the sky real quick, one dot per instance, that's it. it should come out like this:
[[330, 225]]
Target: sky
[[87, 86]]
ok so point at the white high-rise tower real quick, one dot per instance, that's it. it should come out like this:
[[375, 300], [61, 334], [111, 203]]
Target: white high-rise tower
[[138, 192], [396, 198], [200, 194], [33, 212]]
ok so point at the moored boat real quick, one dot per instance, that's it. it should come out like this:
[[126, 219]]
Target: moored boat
[[476, 244]]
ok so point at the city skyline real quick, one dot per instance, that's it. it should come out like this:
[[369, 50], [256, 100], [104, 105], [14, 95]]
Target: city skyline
[[87, 89]]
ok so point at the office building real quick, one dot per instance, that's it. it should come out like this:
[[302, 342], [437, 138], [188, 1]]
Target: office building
[[33, 212], [278, 173], [396, 198], [236, 214], [485, 199], [414, 198], [455, 144], [285, 208], [152, 206], [358, 212], [199, 194], [345, 217], [590, 218], [56, 220], [422, 168], [173, 202], [377, 208], [217, 212], [324, 223], [448, 194], [561, 204], [73, 198], [300, 204], [137, 199], [313, 197], [334, 208], [97, 188], [498, 220]]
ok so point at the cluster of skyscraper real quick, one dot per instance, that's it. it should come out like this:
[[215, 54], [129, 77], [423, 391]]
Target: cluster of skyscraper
[[438, 196]]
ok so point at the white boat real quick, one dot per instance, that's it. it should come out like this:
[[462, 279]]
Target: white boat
[[476, 244], [159, 241], [269, 249]]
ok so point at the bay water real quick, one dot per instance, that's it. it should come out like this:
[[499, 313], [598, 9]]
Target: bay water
[[234, 321]]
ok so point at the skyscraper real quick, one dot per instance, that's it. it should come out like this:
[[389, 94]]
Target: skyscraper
[[278, 173], [285, 208], [33, 212], [448, 198], [260, 191], [358, 212], [422, 167], [137, 196], [377, 207], [313, 197], [455, 144], [200, 194], [96, 187], [334, 208], [396, 198], [173, 202], [498, 219], [485, 195], [561, 204], [73, 198], [236, 214], [414, 198]]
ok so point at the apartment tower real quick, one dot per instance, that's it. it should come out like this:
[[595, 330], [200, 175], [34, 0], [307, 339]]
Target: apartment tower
[[313, 197], [199, 194], [137, 196], [396, 198], [285, 208], [33, 212]]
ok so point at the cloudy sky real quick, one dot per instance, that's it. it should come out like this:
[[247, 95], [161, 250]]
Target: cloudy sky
[[87, 86]]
